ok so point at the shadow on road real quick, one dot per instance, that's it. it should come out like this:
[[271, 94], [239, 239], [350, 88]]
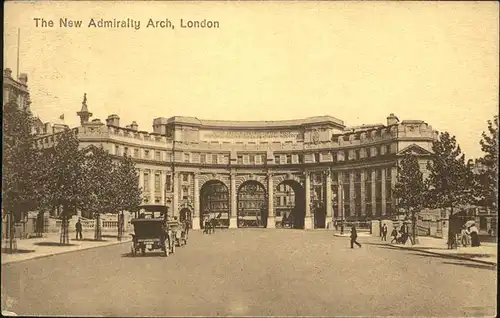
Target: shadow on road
[[53, 244], [479, 266], [18, 251], [148, 254], [443, 256], [92, 240]]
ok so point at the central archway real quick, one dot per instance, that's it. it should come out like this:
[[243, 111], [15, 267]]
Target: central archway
[[214, 203], [290, 205], [252, 204]]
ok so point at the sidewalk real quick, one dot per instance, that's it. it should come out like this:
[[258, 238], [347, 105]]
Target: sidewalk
[[49, 245], [347, 233], [486, 253]]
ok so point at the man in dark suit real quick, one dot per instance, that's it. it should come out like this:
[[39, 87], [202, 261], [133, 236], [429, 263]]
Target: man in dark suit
[[354, 236], [384, 232], [78, 227]]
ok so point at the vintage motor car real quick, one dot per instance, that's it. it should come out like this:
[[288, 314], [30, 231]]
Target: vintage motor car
[[151, 234], [151, 231]]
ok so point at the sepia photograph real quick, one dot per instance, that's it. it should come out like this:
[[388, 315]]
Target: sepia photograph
[[250, 158]]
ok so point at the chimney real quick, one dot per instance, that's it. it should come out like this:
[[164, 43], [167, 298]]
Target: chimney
[[134, 126], [23, 78], [96, 121], [392, 120], [113, 120], [46, 128], [7, 73]]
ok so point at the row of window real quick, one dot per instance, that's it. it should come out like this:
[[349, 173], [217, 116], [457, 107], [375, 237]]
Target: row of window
[[335, 156]]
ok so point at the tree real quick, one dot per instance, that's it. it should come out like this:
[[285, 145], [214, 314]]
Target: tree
[[128, 194], [100, 185], [488, 178], [19, 165], [451, 181], [410, 188], [63, 182]]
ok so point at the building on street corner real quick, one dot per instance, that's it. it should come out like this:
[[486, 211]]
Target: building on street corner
[[300, 173]]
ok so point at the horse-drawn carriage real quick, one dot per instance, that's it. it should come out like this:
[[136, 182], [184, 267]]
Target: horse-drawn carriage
[[153, 231]]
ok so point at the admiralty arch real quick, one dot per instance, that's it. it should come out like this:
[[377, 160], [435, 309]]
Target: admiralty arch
[[299, 173]]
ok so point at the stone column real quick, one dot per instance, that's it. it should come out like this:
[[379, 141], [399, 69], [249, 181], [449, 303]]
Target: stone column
[[196, 197], [233, 221], [152, 190], [308, 222], [339, 196], [374, 195], [162, 187], [384, 193], [363, 193], [328, 197], [394, 180], [271, 224], [175, 196], [352, 202], [141, 181]]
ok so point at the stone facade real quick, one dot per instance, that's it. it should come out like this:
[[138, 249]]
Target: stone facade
[[297, 173], [16, 89]]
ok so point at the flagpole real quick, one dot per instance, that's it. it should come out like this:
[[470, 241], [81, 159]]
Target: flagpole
[[18, 43]]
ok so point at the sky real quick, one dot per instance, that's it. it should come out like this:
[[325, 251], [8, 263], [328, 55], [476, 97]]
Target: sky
[[356, 61]]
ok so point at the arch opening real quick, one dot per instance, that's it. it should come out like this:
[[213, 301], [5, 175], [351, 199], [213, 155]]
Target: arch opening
[[252, 205], [289, 205], [214, 203]]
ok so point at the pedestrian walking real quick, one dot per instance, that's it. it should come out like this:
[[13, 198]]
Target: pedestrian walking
[[354, 236], [404, 233], [384, 232], [464, 237], [78, 227], [474, 233], [394, 235]]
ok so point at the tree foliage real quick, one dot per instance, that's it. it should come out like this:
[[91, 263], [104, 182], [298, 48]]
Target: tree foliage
[[61, 177], [99, 169], [64, 184], [410, 187], [488, 179], [451, 180], [128, 192], [19, 161]]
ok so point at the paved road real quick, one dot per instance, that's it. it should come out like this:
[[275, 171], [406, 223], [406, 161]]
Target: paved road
[[252, 272]]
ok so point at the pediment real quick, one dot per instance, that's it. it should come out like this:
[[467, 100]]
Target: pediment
[[414, 149], [90, 149]]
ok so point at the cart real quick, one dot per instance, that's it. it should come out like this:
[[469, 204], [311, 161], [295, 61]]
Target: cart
[[151, 235]]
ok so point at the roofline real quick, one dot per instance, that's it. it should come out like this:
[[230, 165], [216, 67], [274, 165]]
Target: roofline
[[264, 124]]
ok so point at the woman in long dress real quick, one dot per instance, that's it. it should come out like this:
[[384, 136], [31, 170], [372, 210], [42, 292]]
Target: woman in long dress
[[474, 235]]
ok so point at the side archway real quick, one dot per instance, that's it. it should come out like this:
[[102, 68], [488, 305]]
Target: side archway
[[186, 215], [290, 204], [214, 203], [252, 204]]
